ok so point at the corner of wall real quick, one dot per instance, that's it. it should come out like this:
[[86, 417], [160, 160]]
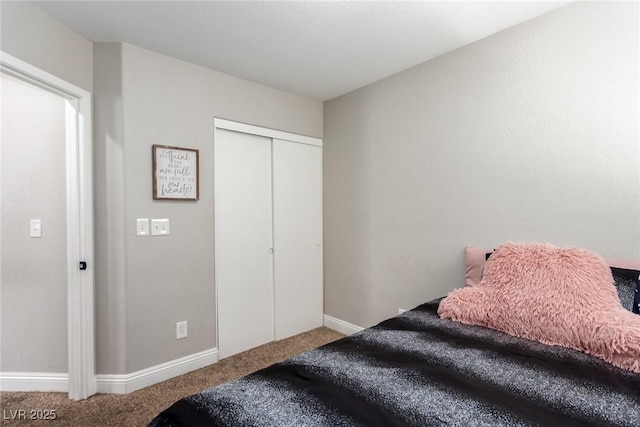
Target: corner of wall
[[32, 35], [109, 204]]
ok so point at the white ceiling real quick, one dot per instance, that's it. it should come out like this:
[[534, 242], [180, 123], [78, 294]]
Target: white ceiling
[[315, 49]]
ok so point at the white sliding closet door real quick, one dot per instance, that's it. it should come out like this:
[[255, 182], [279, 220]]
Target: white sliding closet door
[[297, 214], [243, 241]]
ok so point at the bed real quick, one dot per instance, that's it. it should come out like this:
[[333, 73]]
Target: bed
[[418, 369], [540, 336]]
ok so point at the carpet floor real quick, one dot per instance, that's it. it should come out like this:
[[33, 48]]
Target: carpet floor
[[140, 407]]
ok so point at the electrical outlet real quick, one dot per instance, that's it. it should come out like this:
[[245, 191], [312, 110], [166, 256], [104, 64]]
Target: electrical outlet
[[181, 330]]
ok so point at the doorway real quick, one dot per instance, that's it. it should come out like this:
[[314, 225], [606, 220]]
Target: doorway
[[46, 270]]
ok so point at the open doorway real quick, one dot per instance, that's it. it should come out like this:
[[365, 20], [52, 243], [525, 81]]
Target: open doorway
[[46, 254]]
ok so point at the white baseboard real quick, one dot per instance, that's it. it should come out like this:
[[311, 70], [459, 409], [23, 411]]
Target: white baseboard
[[34, 381], [340, 325], [127, 383]]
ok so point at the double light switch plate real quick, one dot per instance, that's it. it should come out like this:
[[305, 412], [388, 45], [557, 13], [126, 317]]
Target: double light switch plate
[[159, 227]]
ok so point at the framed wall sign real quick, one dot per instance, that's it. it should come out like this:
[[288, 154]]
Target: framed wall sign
[[175, 173]]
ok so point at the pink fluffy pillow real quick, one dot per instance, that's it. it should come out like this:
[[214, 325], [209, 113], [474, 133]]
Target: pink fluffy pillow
[[555, 296], [474, 260]]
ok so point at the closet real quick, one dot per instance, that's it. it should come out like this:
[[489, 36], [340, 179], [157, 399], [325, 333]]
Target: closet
[[268, 235]]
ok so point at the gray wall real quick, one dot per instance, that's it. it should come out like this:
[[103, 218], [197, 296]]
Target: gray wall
[[145, 285], [32, 35], [33, 282], [34, 292], [528, 135], [109, 211]]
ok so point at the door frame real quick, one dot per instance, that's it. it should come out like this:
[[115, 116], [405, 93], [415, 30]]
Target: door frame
[[79, 191]]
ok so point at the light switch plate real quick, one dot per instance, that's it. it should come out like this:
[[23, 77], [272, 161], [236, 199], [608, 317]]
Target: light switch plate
[[160, 227], [142, 227], [35, 228]]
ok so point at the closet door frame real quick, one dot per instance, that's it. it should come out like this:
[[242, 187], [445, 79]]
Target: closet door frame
[[230, 125], [261, 131]]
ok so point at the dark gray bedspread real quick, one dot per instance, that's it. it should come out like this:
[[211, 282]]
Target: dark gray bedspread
[[419, 370]]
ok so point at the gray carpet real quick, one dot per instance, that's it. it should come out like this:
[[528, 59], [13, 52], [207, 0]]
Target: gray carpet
[[139, 408]]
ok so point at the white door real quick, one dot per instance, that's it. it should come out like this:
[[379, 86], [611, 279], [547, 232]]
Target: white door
[[243, 241], [297, 202]]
